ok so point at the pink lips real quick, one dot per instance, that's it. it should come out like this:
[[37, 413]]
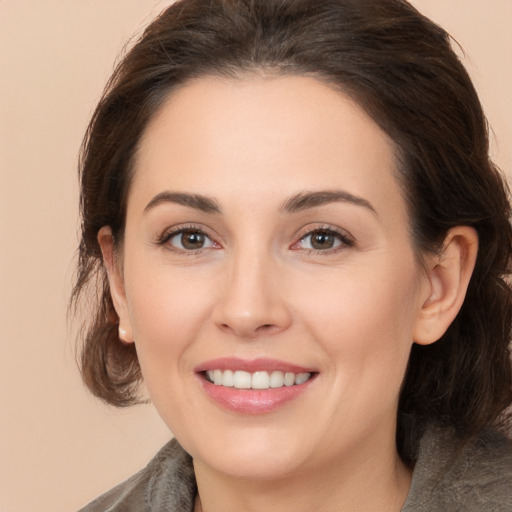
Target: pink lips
[[252, 401], [255, 365]]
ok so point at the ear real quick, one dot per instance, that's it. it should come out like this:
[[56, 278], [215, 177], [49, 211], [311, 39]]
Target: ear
[[116, 282], [448, 276]]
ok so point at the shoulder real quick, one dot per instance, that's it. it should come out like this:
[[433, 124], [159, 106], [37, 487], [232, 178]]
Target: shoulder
[[455, 475], [167, 483]]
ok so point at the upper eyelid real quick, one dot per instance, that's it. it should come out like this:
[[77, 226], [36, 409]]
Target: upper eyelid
[[308, 230], [346, 239], [179, 228], [164, 240], [171, 231]]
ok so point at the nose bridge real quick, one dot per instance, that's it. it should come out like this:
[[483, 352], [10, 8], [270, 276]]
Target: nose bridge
[[252, 303]]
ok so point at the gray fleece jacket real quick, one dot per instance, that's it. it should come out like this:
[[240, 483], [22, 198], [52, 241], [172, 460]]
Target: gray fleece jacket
[[449, 476]]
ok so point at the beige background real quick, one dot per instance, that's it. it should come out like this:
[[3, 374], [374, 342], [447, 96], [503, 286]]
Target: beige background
[[58, 446]]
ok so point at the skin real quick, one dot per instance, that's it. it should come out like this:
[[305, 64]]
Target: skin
[[258, 288]]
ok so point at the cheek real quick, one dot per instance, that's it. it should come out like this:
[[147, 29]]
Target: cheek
[[167, 312], [165, 301], [365, 325]]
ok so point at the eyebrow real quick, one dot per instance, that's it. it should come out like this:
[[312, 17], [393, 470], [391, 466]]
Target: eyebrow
[[196, 201], [296, 203], [306, 200]]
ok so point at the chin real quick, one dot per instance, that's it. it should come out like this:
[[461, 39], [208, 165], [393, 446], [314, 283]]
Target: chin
[[252, 455], [256, 467]]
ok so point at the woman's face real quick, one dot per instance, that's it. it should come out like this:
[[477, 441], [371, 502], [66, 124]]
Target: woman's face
[[266, 235]]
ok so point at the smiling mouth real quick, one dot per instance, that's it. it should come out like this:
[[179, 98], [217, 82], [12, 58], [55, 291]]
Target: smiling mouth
[[240, 379]]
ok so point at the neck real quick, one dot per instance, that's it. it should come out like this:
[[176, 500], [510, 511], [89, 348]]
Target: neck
[[371, 484]]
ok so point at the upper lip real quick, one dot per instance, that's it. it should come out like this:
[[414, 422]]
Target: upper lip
[[254, 365]]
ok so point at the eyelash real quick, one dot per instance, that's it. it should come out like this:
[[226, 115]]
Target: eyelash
[[168, 235], [343, 238]]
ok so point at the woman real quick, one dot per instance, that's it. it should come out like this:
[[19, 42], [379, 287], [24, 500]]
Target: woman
[[302, 247]]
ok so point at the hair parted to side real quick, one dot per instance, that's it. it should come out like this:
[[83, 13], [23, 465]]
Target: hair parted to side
[[400, 67]]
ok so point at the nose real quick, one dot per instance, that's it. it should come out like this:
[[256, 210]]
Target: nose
[[253, 299]]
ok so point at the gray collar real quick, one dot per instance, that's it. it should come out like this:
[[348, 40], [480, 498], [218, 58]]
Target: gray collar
[[450, 476]]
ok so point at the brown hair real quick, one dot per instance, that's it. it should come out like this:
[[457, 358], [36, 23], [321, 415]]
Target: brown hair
[[400, 67]]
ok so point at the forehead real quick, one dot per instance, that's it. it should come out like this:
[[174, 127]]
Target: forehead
[[254, 137]]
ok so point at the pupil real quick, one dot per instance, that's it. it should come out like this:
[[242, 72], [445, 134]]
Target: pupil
[[192, 240], [322, 240]]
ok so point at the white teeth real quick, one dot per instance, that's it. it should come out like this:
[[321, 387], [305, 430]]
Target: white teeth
[[300, 378], [258, 380], [242, 380], [289, 379], [276, 379], [228, 378], [217, 377]]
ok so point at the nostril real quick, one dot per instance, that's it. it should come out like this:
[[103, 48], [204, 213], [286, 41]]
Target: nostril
[[265, 327], [248, 332]]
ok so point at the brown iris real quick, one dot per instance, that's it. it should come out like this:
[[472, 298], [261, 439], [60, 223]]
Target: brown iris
[[192, 240], [321, 240]]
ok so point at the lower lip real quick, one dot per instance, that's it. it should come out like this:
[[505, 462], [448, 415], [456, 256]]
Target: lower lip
[[254, 401]]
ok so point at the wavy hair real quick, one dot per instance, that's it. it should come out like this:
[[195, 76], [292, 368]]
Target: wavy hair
[[400, 67]]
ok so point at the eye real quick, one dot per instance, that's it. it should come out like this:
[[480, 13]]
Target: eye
[[189, 239], [323, 240]]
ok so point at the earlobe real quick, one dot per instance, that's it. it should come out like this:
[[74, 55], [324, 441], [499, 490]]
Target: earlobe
[[116, 282], [448, 276]]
